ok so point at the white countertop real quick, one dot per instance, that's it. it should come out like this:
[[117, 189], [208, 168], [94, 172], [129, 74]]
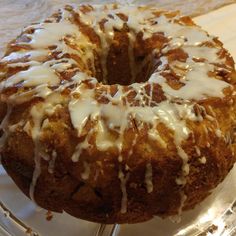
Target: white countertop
[[222, 23]]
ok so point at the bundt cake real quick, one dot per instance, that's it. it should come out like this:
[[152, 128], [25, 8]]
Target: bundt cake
[[117, 113]]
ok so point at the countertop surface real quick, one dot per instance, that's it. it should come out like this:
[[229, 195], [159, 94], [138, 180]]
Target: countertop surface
[[15, 14], [222, 23]]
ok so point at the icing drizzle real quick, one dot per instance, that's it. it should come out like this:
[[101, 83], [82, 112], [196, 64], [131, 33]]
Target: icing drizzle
[[44, 56]]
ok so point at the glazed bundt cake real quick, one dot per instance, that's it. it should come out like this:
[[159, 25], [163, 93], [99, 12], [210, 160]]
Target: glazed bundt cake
[[117, 113]]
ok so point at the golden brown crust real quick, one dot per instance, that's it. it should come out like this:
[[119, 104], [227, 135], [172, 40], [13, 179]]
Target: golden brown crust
[[98, 197]]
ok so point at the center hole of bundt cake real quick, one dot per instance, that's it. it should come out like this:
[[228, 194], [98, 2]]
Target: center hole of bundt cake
[[124, 64]]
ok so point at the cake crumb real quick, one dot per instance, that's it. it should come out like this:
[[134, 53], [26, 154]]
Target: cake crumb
[[49, 216]]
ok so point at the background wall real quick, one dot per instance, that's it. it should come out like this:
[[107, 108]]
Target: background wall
[[15, 14]]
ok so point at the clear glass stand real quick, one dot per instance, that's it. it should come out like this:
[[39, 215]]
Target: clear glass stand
[[19, 217], [108, 230], [102, 230]]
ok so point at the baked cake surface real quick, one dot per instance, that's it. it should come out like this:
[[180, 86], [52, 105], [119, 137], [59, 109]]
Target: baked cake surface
[[117, 113]]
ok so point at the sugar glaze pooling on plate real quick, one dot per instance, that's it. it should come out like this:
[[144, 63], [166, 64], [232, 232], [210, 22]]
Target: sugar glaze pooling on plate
[[40, 77]]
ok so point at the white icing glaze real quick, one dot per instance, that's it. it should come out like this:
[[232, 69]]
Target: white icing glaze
[[218, 133], [210, 118], [51, 164], [48, 34], [37, 113], [13, 128], [103, 141], [198, 151], [4, 128], [154, 135], [203, 52], [36, 75], [148, 178], [81, 146], [86, 108], [131, 56], [27, 128], [202, 160], [41, 74], [33, 55], [86, 173], [123, 180], [197, 82]]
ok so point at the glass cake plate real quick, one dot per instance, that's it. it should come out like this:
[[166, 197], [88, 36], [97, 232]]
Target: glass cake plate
[[215, 216]]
